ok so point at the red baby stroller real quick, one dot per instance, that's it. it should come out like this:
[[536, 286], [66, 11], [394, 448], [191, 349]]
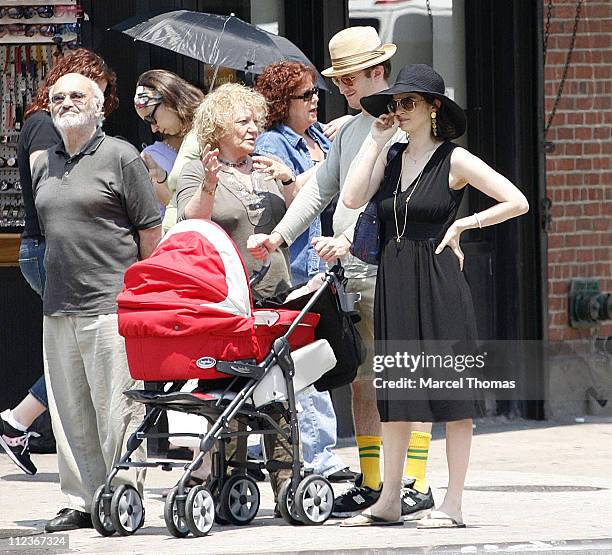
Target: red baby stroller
[[186, 312]]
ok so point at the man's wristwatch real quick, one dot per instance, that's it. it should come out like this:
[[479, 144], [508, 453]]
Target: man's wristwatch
[[289, 181]]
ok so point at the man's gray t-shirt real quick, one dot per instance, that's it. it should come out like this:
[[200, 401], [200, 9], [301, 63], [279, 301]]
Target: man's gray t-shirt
[[90, 208]]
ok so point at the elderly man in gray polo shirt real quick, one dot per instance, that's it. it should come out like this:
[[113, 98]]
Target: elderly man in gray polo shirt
[[98, 211]]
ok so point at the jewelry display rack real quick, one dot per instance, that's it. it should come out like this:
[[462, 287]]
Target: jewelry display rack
[[25, 61]]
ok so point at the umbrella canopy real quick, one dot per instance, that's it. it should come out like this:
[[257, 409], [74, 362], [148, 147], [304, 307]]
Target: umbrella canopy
[[217, 40]]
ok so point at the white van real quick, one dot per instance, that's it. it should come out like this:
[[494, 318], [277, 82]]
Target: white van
[[434, 38]]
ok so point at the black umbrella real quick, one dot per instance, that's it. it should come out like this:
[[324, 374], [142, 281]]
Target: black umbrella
[[217, 40]]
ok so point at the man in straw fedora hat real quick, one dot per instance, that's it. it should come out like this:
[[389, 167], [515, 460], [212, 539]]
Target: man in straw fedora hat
[[360, 67]]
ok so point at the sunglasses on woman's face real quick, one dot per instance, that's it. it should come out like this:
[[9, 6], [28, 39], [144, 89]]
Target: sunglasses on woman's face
[[150, 118], [407, 104], [306, 96]]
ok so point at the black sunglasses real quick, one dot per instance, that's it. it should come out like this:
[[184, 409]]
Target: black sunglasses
[[150, 118], [307, 95]]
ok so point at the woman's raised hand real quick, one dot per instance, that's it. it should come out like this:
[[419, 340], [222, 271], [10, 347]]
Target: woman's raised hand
[[210, 162], [383, 128], [275, 168]]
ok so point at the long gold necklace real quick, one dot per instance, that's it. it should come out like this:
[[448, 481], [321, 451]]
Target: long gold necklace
[[397, 190], [399, 235]]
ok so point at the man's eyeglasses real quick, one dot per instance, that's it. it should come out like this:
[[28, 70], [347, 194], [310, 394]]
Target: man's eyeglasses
[[150, 118], [407, 104], [306, 95], [346, 80], [77, 97]]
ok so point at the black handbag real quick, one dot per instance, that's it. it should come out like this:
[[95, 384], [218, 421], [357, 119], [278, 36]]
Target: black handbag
[[367, 236], [336, 326], [366, 243]]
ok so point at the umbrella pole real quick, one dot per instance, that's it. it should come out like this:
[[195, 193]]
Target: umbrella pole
[[214, 77], [217, 43]]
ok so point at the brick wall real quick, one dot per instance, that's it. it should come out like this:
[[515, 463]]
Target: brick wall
[[578, 172]]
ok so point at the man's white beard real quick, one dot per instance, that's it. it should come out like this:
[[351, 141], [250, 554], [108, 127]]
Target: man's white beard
[[75, 128], [74, 121]]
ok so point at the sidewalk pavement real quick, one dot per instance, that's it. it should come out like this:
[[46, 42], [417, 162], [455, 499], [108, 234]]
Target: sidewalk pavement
[[531, 486]]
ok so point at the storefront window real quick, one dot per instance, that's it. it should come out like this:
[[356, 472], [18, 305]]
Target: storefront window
[[269, 15]]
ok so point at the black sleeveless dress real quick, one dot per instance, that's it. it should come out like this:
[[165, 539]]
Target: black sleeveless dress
[[420, 295]]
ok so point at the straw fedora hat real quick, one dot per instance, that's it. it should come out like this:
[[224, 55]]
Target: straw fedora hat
[[356, 48]]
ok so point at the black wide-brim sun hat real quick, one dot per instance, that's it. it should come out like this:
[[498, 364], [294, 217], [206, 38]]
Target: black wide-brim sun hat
[[423, 79]]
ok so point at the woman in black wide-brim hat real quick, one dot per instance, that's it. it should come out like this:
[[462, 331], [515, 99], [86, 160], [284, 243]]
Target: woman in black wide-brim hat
[[421, 291]]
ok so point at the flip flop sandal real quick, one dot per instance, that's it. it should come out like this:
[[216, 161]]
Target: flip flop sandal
[[432, 522], [369, 520]]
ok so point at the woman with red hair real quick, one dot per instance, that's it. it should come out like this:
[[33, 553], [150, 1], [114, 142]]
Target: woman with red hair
[[39, 134]]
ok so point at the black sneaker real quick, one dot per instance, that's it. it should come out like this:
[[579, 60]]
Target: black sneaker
[[15, 444], [355, 500], [343, 475], [415, 505]]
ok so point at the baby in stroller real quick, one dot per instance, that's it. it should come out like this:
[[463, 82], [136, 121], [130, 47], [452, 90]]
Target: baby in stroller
[[186, 312]]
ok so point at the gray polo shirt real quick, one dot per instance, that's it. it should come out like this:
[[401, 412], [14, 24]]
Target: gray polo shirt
[[90, 207]]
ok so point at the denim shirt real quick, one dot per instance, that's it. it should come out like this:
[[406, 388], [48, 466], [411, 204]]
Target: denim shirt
[[283, 142]]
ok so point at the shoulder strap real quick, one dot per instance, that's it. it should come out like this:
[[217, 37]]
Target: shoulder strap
[[395, 150], [391, 169]]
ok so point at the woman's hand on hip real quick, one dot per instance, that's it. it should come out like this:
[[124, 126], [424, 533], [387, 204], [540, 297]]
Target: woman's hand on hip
[[451, 240]]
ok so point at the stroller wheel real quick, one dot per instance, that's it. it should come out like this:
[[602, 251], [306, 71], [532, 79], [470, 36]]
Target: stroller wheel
[[239, 500], [286, 506], [314, 500], [176, 524], [101, 521], [127, 510], [199, 511]]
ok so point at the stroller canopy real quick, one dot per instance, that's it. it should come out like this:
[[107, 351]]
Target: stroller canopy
[[193, 282], [189, 305]]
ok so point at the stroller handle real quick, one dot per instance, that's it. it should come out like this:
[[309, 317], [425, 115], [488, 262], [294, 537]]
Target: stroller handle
[[258, 275]]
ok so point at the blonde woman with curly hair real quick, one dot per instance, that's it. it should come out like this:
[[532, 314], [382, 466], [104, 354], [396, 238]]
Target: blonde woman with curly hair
[[244, 194], [236, 189]]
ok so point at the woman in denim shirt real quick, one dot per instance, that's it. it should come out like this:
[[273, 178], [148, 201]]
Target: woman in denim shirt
[[294, 135]]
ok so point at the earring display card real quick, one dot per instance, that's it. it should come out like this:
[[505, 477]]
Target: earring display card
[[33, 35]]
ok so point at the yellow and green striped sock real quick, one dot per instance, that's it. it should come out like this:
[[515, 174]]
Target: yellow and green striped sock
[[416, 460], [369, 460]]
